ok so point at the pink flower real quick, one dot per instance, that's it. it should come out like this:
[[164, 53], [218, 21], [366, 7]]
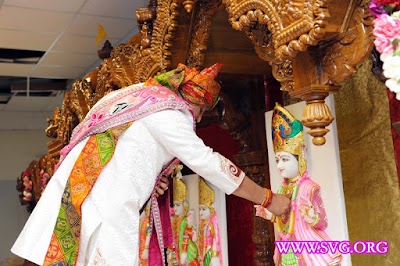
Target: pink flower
[[44, 180], [386, 29], [376, 10], [28, 185]]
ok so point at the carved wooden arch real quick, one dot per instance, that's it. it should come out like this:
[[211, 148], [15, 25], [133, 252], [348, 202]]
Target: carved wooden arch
[[145, 54], [292, 25], [311, 46]]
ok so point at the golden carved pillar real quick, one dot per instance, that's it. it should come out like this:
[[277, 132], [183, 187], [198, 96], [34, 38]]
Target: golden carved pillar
[[311, 46]]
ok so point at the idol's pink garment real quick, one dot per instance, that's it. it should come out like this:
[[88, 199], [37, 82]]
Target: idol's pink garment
[[303, 231], [209, 237]]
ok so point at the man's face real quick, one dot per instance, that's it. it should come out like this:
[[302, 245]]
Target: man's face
[[198, 112]]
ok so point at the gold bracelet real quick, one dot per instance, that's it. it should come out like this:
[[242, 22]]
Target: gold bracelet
[[268, 198]]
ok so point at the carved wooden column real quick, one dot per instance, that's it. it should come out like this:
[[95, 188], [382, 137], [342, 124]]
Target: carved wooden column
[[308, 87]]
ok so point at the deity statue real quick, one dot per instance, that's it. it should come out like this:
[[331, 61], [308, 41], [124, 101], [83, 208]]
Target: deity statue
[[179, 220], [306, 220], [144, 236], [190, 250], [209, 237]]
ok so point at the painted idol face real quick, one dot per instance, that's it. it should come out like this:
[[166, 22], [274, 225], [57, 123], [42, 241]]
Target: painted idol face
[[287, 164], [204, 212], [178, 208]]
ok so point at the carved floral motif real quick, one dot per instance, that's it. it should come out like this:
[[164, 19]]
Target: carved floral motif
[[354, 46], [201, 27], [294, 25]]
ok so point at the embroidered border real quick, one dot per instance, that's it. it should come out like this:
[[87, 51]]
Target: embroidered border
[[231, 170]]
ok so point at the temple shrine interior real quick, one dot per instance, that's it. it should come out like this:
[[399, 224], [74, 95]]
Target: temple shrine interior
[[322, 61]]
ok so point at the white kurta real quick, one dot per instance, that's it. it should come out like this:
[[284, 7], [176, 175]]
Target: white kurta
[[110, 213]]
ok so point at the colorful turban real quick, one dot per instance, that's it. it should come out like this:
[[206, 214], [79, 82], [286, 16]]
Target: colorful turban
[[195, 87]]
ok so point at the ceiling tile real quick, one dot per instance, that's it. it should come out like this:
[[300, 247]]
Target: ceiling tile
[[68, 59], [114, 27], [115, 8], [14, 39], [55, 5], [22, 103], [58, 72], [19, 70], [33, 19], [82, 44], [34, 104], [67, 31], [24, 120]]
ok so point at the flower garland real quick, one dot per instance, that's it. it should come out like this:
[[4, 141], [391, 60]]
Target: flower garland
[[24, 185], [387, 40], [44, 179]]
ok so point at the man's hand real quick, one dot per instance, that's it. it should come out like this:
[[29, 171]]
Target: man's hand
[[162, 186], [280, 204]]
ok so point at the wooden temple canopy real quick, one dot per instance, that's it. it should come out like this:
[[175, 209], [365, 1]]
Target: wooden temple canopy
[[309, 46]]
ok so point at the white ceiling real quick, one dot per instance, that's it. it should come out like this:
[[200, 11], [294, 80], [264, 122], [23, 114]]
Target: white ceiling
[[66, 30]]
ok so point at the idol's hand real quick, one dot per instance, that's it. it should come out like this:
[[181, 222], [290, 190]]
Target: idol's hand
[[263, 212], [307, 211], [194, 236], [183, 258], [162, 186], [280, 204]]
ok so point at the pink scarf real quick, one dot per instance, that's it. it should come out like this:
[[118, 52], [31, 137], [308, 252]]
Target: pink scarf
[[123, 106]]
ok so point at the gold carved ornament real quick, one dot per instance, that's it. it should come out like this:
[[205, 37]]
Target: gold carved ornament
[[201, 31]]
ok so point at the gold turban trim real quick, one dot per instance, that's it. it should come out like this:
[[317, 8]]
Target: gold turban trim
[[179, 190], [207, 195], [287, 135]]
